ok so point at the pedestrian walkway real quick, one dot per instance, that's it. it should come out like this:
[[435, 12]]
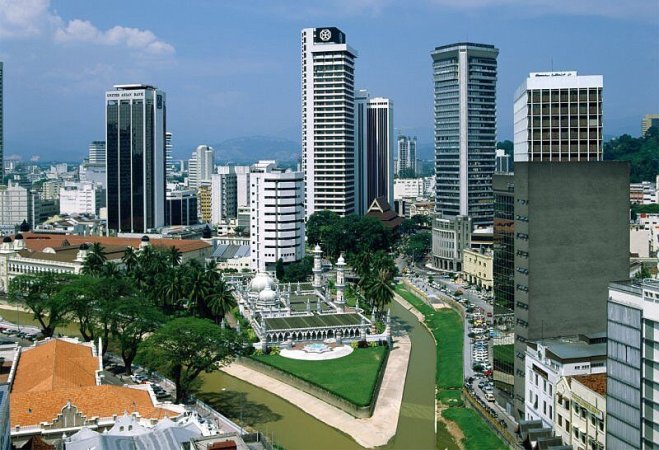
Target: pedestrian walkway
[[374, 431]]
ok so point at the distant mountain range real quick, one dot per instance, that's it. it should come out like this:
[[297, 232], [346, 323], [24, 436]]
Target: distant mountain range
[[249, 149]]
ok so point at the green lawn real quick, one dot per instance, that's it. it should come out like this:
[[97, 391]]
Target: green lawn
[[352, 377], [26, 318], [447, 327], [478, 436]]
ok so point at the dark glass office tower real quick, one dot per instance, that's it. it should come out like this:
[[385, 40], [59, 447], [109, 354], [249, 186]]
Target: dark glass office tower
[[135, 117], [503, 187], [465, 78]]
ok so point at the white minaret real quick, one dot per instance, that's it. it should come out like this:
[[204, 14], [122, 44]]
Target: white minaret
[[340, 283], [317, 269]]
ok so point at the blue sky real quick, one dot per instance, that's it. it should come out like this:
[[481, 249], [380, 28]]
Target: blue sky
[[231, 68]]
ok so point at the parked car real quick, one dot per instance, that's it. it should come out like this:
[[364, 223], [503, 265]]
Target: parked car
[[489, 397]]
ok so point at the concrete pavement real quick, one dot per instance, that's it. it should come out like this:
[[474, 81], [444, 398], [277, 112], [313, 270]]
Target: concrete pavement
[[375, 431]]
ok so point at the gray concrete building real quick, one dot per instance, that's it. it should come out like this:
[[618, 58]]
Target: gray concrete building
[[571, 241], [632, 402], [465, 79]]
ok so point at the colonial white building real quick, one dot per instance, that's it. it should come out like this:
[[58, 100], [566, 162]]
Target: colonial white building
[[580, 411], [276, 215], [548, 360]]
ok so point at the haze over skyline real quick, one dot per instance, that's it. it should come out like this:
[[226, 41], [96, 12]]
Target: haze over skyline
[[233, 69]]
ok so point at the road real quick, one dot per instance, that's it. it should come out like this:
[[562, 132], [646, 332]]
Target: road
[[419, 276]]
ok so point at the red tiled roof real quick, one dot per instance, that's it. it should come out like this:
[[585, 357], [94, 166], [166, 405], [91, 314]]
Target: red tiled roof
[[32, 408], [57, 364], [50, 375], [38, 242], [595, 382]]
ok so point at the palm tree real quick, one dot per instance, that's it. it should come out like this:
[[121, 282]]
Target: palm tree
[[221, 300], [380, 289], [171, 289], [173, 256], [94, 261], [130, 259]]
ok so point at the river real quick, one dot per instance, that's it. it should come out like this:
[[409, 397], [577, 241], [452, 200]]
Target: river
[[290, 427]]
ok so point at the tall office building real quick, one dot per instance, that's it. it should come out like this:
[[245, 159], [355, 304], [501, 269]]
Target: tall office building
[[558, 117], [224, 195], [632, 410], [169, 161], [328, 147], [406, 154], [201, 166], [571, 241], [97, 153], [276, 216], [2, 129], [503, 271], [465, 78], [374, 150], [135, 116]]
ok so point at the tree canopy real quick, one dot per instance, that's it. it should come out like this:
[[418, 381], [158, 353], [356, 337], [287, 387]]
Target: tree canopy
[[350, 234], [184, 348], [642, 154]]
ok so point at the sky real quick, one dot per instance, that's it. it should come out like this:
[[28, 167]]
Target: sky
[[232, 68]]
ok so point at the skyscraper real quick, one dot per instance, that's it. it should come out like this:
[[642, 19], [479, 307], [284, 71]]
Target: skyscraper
[[558, 117], [224, 195], [649, 120], [571, 241], [2, 129], [465, 77], [135, 116], [406, 154], [169, 161], [201, 166], [374, 150], [97, 153], [328, 97]]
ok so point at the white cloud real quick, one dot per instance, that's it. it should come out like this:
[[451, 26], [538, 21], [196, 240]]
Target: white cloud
[[21, 19], [84, 31], [32, 18]]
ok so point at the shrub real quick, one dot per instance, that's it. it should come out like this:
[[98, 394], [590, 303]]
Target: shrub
[[258, 352], [274, 351], [362, 344], [354, 344]]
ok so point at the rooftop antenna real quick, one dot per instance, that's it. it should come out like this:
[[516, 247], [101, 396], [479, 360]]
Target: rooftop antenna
[[552, 63]]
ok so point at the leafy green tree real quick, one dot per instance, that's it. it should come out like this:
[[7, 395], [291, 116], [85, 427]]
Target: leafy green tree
[[418, 245], [184, 348], [319, 225], [298, 271], [408, 226], [133, 321], [642, 154], [280, 272], [422, 220], [92, 302], [37, 293]]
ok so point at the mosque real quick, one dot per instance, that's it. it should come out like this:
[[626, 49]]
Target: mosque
[[283, 314]]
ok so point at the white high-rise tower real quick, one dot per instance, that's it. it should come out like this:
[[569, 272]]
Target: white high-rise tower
[[328, 141]]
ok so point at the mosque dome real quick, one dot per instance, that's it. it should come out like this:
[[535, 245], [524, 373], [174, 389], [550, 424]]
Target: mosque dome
[[267, 296], [261, 281]]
